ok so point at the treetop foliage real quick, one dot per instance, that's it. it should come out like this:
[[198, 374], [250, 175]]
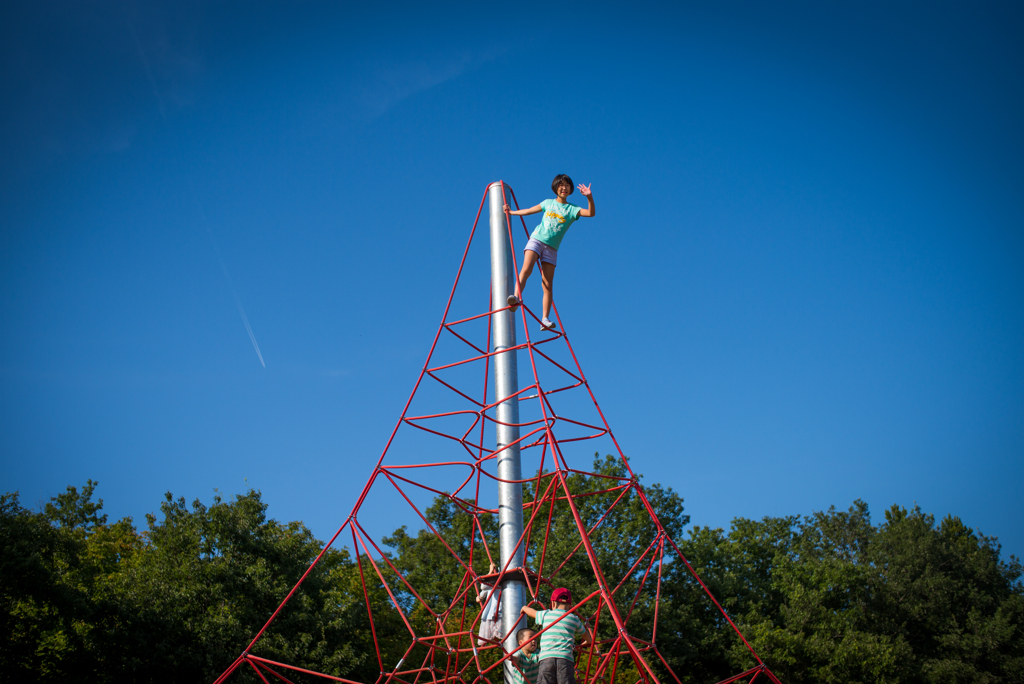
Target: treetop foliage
[[829, 597]]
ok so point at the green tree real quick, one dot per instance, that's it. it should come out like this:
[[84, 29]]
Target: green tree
[[208, 578], [832, 598], [946, 592], [87, 600], [825, 598], [47, 614]]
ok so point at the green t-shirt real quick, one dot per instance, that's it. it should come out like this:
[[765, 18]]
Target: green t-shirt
[[530, 663], [557, 219], [558, 641]]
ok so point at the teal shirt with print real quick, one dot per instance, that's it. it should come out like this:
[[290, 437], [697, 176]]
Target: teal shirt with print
[[557, 219]]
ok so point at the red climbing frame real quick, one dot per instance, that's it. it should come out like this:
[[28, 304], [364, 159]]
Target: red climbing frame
[[550, 440]]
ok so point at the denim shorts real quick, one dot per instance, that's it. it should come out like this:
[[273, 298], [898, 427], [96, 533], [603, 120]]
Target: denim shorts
[[546, 252]]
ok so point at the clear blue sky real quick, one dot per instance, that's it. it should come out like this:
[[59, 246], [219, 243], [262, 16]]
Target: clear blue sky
[[804, 285]]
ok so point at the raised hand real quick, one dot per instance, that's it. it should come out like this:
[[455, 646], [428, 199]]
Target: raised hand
[[584, 189]]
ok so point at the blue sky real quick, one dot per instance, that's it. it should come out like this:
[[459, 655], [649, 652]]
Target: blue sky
[[804, 285]]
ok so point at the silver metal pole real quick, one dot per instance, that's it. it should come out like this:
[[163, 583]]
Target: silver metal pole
[[506, 383]]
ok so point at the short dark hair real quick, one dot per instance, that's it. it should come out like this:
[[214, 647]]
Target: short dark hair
[[519, 634], [559, 179]]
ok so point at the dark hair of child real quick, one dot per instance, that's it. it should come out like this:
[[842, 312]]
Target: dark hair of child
[[521, 634], [559, 180]]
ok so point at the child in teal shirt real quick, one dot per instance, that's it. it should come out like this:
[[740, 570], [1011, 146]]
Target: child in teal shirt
[[545, 239], [526, 658]]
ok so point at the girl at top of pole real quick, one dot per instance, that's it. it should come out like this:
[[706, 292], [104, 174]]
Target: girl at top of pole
[[545, 239]]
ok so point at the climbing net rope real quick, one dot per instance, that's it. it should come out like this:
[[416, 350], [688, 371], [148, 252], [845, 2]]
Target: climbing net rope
[[571, 517]]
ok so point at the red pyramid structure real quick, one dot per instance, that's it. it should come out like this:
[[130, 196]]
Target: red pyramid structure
[[443, 446]]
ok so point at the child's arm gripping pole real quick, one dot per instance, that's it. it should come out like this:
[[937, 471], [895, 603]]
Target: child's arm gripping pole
[[524, 212]]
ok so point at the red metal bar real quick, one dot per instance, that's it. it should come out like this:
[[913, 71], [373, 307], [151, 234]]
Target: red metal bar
[[274, 672], [599, 575], [454, 389], [258, 673], [615, 660], [431, 528], [393, 673], [478, 350], [717, 604], [563, 419], [394, 476], [607, 659], [547, 530], [364, 536], [593, 642], [409, 421], [476, 316], [626, 481], [667, 667], [366, 596], [640, 589], [741, 675], [387, 587], [296, 587], [635, 564], [227, 673], [555, 363], [657, 595], [477, 358], [592, 529]]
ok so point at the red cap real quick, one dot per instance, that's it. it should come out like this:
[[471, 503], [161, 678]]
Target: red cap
[[561, 595]]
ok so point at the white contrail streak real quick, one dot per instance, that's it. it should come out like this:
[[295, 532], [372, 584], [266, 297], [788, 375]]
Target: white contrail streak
[[234, 293], [227, 276], [216, 249], [249, 329]]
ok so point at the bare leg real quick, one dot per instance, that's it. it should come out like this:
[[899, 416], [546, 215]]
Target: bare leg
[[529, 259], [547, 281]]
